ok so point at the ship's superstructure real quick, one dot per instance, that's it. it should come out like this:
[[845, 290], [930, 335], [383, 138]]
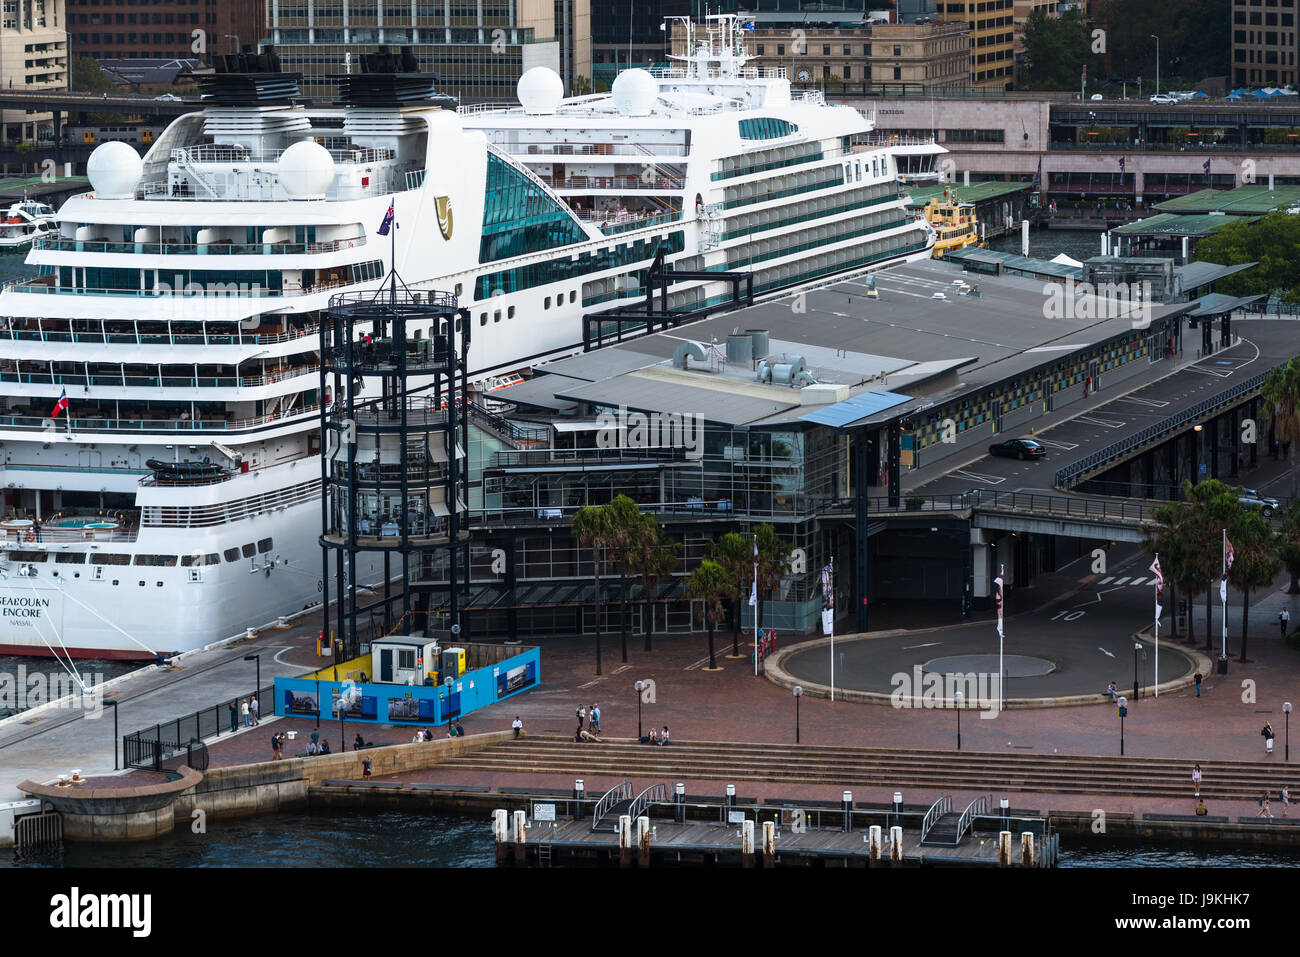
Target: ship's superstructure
[[159, 376]]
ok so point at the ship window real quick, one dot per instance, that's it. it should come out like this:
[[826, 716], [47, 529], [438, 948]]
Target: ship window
[[141, 584], [482, 318], [546, 303], [496, 315], [232, 554], [264, 546], [573, 295], [249, 550], [510, 312], [155, 559], [459, 287], [106, 559], [519, 218], [70, 558]]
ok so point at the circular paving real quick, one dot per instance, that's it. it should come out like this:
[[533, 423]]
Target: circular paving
[[1013, 666]]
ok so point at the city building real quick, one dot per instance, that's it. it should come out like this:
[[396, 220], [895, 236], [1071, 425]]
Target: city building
[[1022, 11], [178, 29], [152, 75], [1264, 42], [621, 35], [478, 52], [992, 55], [33, 57]]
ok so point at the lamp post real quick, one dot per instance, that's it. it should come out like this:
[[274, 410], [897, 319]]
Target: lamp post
[[1157, 39], [639, 687], [258, 660], [1286, 710], [113, 705], [1123, 713], [317, 699], [1137, 646], [798, 693], [232, 36], [960, 697]]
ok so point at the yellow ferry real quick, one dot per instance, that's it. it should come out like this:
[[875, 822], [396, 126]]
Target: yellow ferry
[[954, 223]]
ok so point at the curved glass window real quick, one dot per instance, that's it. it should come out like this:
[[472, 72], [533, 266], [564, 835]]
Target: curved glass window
[[766, 128], [519, 218]]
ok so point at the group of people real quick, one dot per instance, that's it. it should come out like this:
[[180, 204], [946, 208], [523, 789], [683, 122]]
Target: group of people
[[422, 734], [592, 721], [1265, 808], [247, 707], [454, 730], [656, 737], [318, 745], [765, 646]]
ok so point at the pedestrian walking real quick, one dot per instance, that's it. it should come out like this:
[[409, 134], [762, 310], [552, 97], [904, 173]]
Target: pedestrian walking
[[252, 706], [1267, 732], [1286, 799], [243, 709], [1196, 780], [518, 725], [595, 718], [275, 747], [582, 716], [1284, 621], [234, 717], [1263, 806], [1199, 678]]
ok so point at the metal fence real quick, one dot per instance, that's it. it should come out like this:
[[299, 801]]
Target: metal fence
[[179, 742]]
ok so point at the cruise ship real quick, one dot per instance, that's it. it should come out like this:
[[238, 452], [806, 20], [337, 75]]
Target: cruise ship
[[159, 375]]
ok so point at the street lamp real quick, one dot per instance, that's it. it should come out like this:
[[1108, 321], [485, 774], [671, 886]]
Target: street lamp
[[798, 693], [1123, 713], [960, 697], [113, 705], [1137, 646], [234, 37], [258, 660], [1286, 710], [639, 687], [1157, 39]]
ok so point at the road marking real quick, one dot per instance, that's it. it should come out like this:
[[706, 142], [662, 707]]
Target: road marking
[[1105, 652], [590, 683], [1137, 581], [1067, 446], [1217, 375], [1106, 581], [622, 668], [928, 644], [1121, 580], [979, 477], [1104, 423], [1154, 403]]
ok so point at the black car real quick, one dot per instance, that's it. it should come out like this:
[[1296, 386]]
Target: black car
[[1018, 449]]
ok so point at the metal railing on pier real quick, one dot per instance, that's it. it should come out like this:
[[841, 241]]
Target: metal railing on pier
[[179, 742], [937, 810]]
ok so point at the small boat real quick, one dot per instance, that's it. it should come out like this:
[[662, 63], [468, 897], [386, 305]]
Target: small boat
[[954, 223], [24, 222]]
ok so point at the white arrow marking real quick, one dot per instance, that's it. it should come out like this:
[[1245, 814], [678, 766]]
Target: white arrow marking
[[1105, 652], [928, 644]]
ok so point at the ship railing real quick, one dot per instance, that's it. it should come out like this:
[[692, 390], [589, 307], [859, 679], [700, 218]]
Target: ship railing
[[632, 183], [7, 331], [220, 247], [165, 382], [878, 140], [473, 109], [16, 538], [589, 149], [172, 424]]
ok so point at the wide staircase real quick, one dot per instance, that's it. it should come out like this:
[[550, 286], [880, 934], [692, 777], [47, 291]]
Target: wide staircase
[[879, 767]]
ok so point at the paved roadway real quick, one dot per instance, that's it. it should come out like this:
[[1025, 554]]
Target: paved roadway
[[1073, 433]]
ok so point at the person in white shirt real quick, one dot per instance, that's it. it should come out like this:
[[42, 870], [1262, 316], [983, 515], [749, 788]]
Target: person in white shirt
[[663, 735], [518, 725]]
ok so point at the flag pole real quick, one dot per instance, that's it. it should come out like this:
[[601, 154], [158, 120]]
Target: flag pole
[[754, 594], [1002, 673], [1223, 593], [831, 585], [1156, 682]]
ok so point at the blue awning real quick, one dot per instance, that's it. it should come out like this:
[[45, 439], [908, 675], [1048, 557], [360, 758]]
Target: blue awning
[[851, 410]]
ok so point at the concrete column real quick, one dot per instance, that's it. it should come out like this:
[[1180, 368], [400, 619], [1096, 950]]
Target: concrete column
[[625, 840], [643, 841], [896, 845], [1027, 849], [747, 844], [1024, 237], [520, 836], [1184, 249], [769, 844], [1004, 848], [873, 842], [501, 834]]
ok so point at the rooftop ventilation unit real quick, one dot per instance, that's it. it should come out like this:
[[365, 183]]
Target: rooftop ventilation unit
[[686, 351]]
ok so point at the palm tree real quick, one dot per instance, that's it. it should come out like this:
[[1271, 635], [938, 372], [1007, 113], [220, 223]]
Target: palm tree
[[1289, 544], [708, 584], [1212, 508], [653, 558], [735, 553], [625, 519], [591, 529], [1255, 563], [1281, 392], [773, 559]]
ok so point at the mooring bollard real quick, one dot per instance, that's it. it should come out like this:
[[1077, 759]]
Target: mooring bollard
[[747, 844], [846, 802], [679, 796], [769, 844], [501, 832], [873, 842], [643, 841], [896, 845], [579, 795], [1027, 849], [521, 835], [1004, 848], [624, 840]]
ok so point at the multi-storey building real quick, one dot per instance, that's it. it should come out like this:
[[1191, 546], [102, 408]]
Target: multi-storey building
[[477, 50], [627, 33], [175, 29], [992, 55], [33, 56], [1264, 42]]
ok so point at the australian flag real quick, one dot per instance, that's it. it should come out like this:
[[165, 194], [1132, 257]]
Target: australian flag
[[750, 25], [387, 224]]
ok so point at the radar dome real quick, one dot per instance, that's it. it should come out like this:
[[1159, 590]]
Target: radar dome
[[540, 91], [306, 170], [635, 92], [114, 170]]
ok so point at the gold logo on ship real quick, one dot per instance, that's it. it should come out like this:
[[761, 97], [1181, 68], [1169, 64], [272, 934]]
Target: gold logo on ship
[[442, 204]]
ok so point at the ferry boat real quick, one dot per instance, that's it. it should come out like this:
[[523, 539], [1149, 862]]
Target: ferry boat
[[159, 376], [954, 223], [24, 222]]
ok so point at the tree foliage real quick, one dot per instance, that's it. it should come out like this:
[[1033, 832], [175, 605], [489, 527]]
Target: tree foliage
[[1193, 38], [1273, 242], [1055, 51], [87, 76]]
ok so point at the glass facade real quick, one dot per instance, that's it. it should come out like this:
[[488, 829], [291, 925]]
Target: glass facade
[[539, 274], [519, 218], [766, 128]]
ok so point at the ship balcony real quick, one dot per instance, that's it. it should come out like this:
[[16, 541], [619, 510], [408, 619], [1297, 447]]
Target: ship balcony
[[143, 387], [169, 421], [562, 152], [655, 183], [221, 247], [136, 333], [58, 531]]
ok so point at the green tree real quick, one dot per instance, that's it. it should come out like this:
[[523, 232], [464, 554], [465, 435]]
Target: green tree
[[581, 86], [1281, 393], [1289, 544], [87, 76], [1055, 51], [1255, 562], [1176, 542], [1272, 241], [624, 518], [591, 527], [652, 558], [708, 584], [1192, 39], [1213, 507], [773, 559], [735, 553]]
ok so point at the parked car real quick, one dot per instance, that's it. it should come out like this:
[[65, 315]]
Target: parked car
[[168, 97], [1018, 449], [1163, 98], [1097, 96], [1252, 499]]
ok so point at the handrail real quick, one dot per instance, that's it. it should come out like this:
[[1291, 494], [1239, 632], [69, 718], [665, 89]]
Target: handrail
[[619, 792], [1070, 473], [937, 810], [654, 794], [978, 806]]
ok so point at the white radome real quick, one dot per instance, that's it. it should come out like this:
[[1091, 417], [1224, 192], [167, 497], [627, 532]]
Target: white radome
[[114, 170], [635, 93], [306, 170], [540, 91]]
